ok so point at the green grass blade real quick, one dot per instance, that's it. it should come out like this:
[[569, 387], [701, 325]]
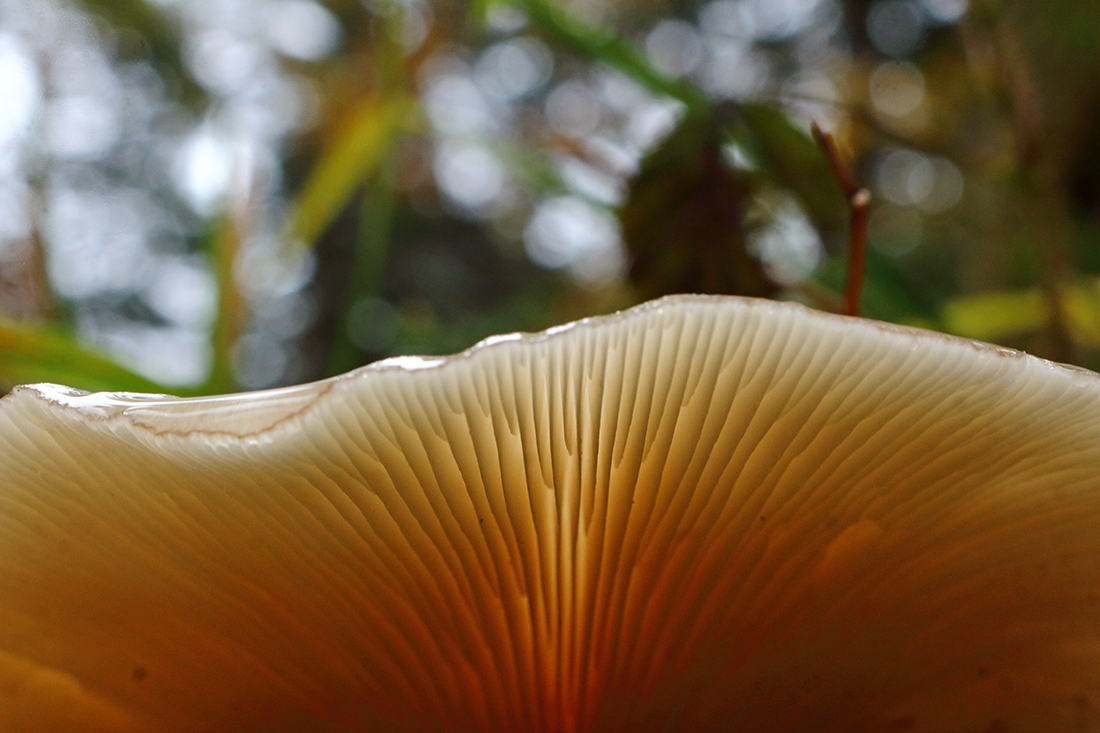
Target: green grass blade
[[351, 156], [599, 45], [224, 240], [47, 354], [372, 251]]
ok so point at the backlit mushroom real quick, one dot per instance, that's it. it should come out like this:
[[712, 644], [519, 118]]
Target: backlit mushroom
[[701, 514]]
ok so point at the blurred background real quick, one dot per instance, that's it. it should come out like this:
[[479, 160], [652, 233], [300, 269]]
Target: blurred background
[[202, 196]]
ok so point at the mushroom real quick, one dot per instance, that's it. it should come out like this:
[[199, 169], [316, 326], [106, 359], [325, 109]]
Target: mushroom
[[705, 513]]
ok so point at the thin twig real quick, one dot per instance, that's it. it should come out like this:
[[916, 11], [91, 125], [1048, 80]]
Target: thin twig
[[859, 207], [840, 170]]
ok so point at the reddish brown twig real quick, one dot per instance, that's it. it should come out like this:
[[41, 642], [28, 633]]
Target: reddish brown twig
[[859, 206]]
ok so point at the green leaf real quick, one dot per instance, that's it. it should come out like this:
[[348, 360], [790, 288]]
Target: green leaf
[[45, 354], [993, 316], [351, 156], [1001, 315]]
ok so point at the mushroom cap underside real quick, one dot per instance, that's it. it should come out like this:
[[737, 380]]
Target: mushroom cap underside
[[701, 514]]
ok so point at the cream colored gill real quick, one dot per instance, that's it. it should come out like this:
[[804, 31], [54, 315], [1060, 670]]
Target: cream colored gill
[[700, 514]]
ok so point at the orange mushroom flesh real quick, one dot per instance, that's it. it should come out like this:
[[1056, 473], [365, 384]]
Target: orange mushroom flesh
[[701, 514]]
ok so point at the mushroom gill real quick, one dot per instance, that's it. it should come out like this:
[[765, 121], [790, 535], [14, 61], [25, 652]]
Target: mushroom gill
[[701, 514]]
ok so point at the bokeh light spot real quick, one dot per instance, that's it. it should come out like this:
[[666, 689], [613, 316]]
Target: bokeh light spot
[[896, 88], [301, 29], [674, 47], [896, 27], [20, 88]]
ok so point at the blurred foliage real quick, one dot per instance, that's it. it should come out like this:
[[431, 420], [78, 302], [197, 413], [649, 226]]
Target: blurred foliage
[[683, 220], [141, 29], [35, 354], [350, 157], [459, 170], [789, 158]]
